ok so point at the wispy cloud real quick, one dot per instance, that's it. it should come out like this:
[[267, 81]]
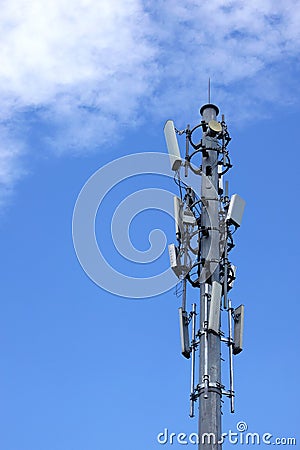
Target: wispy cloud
[[248, 48], [11, 167], [79, 68], [83, 69]]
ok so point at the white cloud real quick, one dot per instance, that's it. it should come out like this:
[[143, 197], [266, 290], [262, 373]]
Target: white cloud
[[242, 45], [81, 66], [84, 67], [11, 152], [58, 47]]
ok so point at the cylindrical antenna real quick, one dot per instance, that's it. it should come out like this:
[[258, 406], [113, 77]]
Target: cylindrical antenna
[[209, 90]]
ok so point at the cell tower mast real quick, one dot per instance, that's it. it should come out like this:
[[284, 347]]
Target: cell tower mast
[[210, 351], [208, 219]]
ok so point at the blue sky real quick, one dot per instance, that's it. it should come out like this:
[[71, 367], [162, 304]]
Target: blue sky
[[82, 85]]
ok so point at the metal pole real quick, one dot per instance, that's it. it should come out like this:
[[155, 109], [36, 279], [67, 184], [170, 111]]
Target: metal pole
[[205, 343], [210, 407], [192, 400], [186, 167], [225, 284], [184, 294], [230, 343]]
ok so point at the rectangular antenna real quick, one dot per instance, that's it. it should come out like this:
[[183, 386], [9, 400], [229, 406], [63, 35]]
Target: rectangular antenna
[[236, 210], [238, 329], [184, 333], [177, 216], [172, 145], [215, 307], [173, 260]]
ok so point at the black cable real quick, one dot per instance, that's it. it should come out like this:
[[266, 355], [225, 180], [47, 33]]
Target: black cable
[[193, 283], [179, 185], [228, 165]]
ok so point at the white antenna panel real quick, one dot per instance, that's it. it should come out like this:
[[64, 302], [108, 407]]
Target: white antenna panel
[[236, 210], [238, 329], [215, 307], [172, 145], [173, 260], [177, 215]]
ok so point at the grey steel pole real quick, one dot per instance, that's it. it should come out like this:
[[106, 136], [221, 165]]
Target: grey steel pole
[[193, 359], [209, 402], [231, 380]]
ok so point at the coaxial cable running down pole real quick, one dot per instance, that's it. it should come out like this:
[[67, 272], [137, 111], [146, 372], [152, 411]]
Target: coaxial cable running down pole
[[205, 223]]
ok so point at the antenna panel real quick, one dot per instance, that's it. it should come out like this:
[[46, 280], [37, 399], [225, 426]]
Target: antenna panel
[[236, 210], [215, 307], [172, 145], [238, 329], [173, 260], [184, 333], [177, 215]]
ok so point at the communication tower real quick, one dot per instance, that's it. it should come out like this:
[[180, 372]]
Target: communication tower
[[204, 228]]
